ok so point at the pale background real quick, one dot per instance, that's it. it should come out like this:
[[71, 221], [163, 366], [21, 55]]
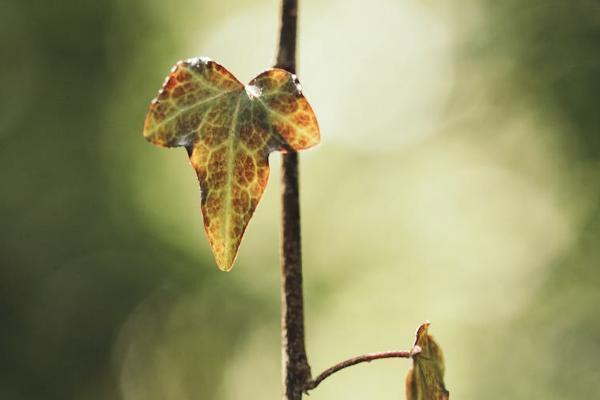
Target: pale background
[[457, 181]]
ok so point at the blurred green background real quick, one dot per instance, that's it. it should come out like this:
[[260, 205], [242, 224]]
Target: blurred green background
[[458, 181]]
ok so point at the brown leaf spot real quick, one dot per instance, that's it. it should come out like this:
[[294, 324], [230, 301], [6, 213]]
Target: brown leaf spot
[[301, 119], [213, 135], [170, 83], [217, 167], [284, 129], [245, 169], [183, 76], [178, 92], [284, 104]]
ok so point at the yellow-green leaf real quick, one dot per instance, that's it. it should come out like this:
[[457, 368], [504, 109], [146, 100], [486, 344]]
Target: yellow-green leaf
[[229, 130], [425, 380]]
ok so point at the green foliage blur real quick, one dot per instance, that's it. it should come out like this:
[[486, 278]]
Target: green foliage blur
[[458, 181]]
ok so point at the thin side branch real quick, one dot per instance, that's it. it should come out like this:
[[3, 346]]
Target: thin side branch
[[356, 360]]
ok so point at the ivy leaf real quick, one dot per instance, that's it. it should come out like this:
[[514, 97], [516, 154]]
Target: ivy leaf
[[229, 130], [425, 380]]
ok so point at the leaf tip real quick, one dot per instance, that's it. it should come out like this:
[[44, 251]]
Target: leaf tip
[[225, 267], [422, 331], [225, 260]]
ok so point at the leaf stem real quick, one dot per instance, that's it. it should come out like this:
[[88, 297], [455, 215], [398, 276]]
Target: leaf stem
[[296, 370], [313, 383]]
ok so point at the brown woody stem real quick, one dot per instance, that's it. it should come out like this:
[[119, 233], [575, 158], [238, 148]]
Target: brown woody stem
[[286, 49], [353, 361], [296, 370]]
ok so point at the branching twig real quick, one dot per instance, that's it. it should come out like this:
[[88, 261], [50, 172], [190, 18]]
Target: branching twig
[[313, 383], [296, 370]]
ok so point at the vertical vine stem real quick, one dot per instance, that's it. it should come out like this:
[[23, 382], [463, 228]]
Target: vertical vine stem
[[296, 370]]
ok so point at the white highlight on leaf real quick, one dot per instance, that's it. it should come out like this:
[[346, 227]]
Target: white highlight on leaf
[[253, 91]]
